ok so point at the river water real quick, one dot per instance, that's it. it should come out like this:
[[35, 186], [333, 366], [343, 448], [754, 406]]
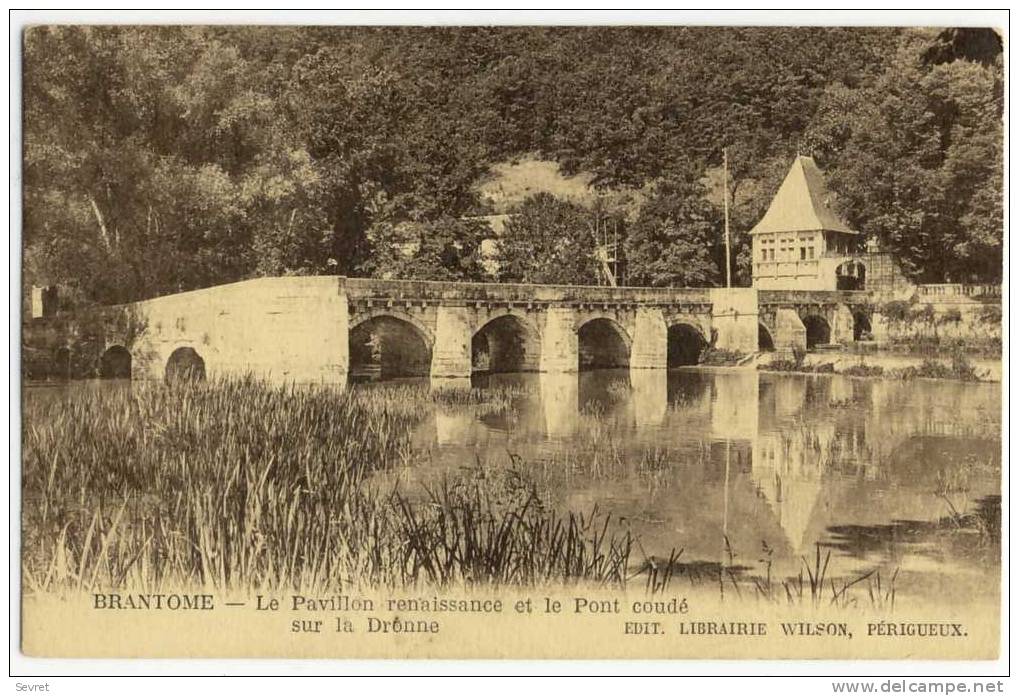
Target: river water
[[748, 470], [753, 469]]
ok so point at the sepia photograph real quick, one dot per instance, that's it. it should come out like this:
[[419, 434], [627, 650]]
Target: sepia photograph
[[511, 340]]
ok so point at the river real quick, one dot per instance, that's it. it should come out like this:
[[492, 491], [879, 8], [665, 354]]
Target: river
[[754, 470], [746, 470]]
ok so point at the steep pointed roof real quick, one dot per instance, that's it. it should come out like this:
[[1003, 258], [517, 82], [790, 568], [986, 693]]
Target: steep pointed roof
[[802, 203]]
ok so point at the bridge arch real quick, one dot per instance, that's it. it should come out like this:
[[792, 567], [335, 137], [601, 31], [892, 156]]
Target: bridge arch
[[862, 330], [184, 365], [818, 330], [686, 342], [509, 342], [387, 344], [765, 341], [360, 318], [115, 363], [602, 342]]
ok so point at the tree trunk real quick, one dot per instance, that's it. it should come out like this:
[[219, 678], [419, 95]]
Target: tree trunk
[[99, 219]]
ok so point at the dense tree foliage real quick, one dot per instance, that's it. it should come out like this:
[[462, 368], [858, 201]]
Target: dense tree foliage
[[674, 242], [548, 241], [159, 159], [917, 159], [444, 249]]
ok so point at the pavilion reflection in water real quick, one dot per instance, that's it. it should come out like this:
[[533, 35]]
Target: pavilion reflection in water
[[755, 456]]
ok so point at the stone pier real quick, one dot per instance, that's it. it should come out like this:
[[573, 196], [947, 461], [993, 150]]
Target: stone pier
[[789, 333], [650, 340], [734, 318], [451, 353], [842, 325], [559, 341]]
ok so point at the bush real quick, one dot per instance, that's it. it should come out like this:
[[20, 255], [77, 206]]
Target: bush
[[780, 366], [960, 368], [928, 368], [945, 346], [794, 366], [896, 310], [963, 369], [862, 370], [952, 316], [923, 314], [991, 314]]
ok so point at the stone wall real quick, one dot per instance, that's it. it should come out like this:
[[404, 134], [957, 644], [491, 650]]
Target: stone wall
[[282, 329], [967, 324], [884, 278]]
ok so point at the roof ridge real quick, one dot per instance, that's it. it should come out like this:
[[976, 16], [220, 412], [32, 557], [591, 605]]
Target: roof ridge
[[801, 203]]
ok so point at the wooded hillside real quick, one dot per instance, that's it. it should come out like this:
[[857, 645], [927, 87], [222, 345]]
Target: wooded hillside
[[162, 159]]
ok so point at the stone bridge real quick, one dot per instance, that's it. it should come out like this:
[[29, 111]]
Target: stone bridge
[[324, 328], [820, 316]]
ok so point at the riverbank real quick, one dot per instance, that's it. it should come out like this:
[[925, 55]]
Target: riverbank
[[887, 365]]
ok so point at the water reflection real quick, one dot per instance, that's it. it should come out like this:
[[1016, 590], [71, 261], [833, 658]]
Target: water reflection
[[450, 383], [734, 403], [650, 397], [735, 466], [923, 537], [691, 458], [559, 403], [453, 426]]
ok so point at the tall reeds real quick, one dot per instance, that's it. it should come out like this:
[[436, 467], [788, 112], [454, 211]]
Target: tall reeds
[[237, 484]]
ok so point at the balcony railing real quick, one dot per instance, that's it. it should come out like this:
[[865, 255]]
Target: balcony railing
[[944, 290]]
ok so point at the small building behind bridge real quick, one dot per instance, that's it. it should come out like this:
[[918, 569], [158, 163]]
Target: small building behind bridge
[[801, 243]]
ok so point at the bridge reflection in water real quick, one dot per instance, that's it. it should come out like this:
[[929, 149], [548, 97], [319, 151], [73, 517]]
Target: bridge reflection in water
[[780, 462]]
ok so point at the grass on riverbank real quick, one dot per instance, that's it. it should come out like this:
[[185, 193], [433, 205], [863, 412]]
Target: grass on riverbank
[[238, 485], [717, 357], [933, 346], [958, 368]]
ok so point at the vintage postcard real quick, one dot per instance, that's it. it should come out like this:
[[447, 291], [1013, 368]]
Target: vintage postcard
[[512, 341]]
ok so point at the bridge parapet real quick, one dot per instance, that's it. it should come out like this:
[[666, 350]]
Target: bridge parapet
[[438, 291], [789, 298]]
